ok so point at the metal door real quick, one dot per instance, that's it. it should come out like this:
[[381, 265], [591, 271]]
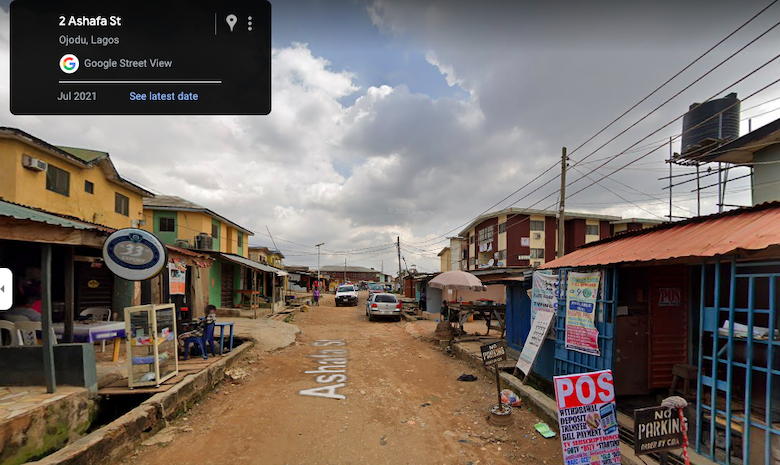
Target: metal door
[[668, 342]]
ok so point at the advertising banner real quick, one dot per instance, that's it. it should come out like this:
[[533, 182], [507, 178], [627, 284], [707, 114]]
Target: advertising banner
[[587, 418], [535, 339], [581, 295], [544, 297], [177, 279]]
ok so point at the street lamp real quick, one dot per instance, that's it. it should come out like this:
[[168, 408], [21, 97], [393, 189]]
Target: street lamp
[[319, 284]]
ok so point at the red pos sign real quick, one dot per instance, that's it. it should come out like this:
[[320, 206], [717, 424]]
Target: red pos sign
[[587, 418]]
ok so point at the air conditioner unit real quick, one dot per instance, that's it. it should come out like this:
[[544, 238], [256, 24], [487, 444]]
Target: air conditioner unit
[[537, 235], [34, 164], [204, 242], [537, 264], [138, 223]]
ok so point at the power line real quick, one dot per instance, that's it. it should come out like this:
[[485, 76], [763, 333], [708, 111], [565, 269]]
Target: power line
[[433, 240]]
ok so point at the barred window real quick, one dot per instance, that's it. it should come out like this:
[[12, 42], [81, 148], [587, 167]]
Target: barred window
[[537, 225], [592, 230]]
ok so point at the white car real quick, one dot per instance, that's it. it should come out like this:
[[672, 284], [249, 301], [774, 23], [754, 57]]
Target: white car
[[382, 304], [346, 294]]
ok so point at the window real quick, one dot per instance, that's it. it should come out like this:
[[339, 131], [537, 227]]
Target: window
[[240, 239], [215, 231], [464, 254], [167, 224], [502, 227], [502, 254], [58, 180], [121, 204], [537, 253], [471, 239], [592, 230], [486, 235], [537, 225], [471, 261], [385, 298], [89, 188]]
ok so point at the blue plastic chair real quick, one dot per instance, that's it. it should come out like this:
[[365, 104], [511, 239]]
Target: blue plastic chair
[[202, 342]]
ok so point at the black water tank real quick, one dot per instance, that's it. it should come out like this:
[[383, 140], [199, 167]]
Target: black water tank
[[712, 129]]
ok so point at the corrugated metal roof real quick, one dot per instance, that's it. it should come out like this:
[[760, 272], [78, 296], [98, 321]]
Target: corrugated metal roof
[[175, 203], [23, 213], [252, 264], [754, 228]]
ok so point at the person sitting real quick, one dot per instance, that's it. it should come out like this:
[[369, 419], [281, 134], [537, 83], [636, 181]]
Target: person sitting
[[199, 326], [30, 310]]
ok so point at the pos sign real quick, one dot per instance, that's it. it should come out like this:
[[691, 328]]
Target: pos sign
[[587, 418]]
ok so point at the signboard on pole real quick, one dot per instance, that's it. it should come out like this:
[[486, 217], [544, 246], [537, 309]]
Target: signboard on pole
[[588, 418], [535, 339], [657, 429], [493, 353], [581, 295]]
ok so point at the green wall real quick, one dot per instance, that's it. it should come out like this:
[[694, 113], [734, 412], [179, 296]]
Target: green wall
[[167, 237], [215, 283]]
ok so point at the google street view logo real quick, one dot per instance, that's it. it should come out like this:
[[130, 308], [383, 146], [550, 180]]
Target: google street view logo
[[69, 63]]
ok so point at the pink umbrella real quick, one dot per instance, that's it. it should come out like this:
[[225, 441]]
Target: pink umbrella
[[459, 280]]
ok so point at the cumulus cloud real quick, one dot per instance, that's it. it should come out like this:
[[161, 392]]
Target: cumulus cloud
[[401, 163]]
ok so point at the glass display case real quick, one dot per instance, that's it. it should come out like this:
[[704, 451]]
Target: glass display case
[[151, 344]]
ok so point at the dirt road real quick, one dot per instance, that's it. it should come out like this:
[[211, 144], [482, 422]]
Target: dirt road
[[402, 404]]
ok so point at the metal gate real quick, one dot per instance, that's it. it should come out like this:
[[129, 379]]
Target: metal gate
[[570, 361], [738, 408]]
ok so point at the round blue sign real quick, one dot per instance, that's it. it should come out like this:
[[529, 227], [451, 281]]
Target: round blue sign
[[134, 254]]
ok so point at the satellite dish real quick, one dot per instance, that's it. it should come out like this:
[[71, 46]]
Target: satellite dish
[[491, 262]]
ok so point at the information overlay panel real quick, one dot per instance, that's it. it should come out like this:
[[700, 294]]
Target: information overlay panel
[[177, 57]]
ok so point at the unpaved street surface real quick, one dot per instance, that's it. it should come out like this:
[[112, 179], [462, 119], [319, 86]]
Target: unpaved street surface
[[403, 405]]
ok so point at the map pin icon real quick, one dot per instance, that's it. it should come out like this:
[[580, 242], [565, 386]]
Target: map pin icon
[[231, 20]]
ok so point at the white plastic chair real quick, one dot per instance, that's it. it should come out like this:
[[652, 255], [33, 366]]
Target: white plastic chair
[[27, 333], [12, 335], [99, 314]]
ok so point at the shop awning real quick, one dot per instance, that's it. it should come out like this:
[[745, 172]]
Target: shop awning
[[239, 260], [744, 230], [20, 223]]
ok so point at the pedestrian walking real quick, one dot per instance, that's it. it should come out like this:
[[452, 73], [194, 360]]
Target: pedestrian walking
[[317, 297]]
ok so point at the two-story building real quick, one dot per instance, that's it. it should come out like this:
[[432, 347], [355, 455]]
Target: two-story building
[[353, 274], [186, 224], [80, 190], [265, 255]]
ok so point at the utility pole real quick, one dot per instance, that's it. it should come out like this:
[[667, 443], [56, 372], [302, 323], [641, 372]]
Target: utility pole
[[398, 246], [319, 283], [670, 180], [345, 269], [562, 207]]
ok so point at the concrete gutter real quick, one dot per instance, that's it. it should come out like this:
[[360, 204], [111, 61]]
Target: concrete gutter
[[113, 442]]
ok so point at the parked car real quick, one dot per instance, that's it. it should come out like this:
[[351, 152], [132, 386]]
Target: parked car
[[382, 304], [346, 294], [375, 288]]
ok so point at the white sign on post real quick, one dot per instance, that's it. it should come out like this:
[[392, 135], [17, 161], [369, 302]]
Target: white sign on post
[[535, 340]]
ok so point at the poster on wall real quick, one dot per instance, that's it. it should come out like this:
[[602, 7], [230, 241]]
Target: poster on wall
[[581, 295], [177, 279], [587, 418], [545, 291]]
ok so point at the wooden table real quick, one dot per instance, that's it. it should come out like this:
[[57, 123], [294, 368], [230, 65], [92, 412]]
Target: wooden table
[[488, 312], [94, 332]]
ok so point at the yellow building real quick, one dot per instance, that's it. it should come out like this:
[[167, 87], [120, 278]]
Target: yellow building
[[262, 254], [446, 259], [186, 224], [179, 222], [73, 182]]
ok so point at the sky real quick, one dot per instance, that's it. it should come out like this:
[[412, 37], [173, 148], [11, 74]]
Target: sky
[[409, 119]]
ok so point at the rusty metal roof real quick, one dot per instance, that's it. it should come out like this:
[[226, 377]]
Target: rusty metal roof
[[750, 229]]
